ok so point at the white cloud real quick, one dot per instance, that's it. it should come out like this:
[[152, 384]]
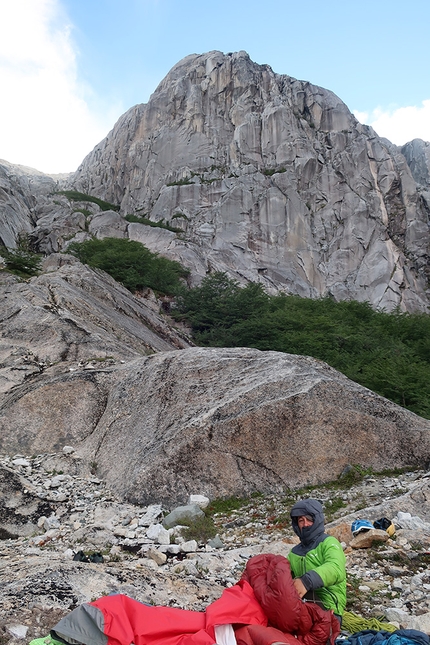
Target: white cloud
[[399, 125], [45, 121]]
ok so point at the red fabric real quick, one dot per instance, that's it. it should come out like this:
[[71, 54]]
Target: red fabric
[[237, 605], [270, 577], [128, 621], [264, 602], [259, 635]]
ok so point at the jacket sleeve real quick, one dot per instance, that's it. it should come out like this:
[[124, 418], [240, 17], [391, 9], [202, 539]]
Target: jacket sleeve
[[331, 569]]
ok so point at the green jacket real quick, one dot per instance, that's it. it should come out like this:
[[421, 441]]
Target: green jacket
[[327, 559]]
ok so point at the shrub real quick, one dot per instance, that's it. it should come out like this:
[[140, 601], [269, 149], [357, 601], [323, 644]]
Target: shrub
[[148, 222], [76, 196], [131, 263], [21, 261], [201, 529], [388, 353]]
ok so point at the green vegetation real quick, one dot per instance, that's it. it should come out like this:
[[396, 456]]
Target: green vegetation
[[21, 261], [388, 353], [201, 529], [272, 171], [131, 263], [228, 504], [76, 196], [180, 182], [149, 222]]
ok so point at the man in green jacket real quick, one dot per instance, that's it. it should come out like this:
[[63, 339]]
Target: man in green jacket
[[318, 562]]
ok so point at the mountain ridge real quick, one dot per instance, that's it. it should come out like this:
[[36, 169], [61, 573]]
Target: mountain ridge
[[267, 178]]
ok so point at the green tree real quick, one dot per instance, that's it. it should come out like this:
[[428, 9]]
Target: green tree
[[386, 352], [21, 261], [217, 305], [131, 263]]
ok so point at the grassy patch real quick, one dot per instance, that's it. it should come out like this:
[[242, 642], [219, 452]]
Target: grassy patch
[[201, 530], [131, 263], [148, 222], [76, 196], [228, 504]]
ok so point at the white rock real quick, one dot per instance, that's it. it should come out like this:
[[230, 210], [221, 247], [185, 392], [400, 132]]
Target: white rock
[[173, 549], [51, 522], [396, 614], [407, 521], [21, 462], [364, 588], [156, 555], [68, 450], [57, 481], [153, 512], [199, 500], [18, 631], [189, 547], [158, 533], [421, 623]]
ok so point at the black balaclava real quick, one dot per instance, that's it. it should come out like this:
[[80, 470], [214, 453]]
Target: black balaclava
[[309, 536]]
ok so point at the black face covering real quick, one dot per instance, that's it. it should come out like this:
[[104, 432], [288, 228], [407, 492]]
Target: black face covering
[[309, 535]]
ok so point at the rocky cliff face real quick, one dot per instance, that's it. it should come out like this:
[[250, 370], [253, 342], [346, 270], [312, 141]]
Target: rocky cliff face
[[260, 175], [72, 318], [269, 178]]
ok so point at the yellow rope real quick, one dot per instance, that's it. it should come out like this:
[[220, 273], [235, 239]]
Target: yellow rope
[[353, 623]]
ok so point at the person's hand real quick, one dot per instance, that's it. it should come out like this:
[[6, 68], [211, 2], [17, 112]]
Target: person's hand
[[300, 587]]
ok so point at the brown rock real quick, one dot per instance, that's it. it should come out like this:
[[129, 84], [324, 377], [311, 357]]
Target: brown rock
[[365, 539], [156, 555], [341, 532]]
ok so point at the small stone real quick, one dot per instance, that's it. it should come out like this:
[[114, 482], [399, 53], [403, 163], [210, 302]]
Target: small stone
[[395, 572], [364, 588], [158, 533], [51, 522], [21, 462], [156, 555], [199, 500], [18, 631], [216, 543], [189, 547], [41, 521], [153, 512]]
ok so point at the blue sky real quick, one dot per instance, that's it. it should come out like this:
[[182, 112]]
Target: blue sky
[[70, 68]]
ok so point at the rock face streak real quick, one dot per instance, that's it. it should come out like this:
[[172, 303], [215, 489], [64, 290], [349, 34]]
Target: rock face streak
[[271, 179]]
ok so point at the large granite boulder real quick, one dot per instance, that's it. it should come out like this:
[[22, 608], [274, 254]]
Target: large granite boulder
[[235, 421], [218, 421]]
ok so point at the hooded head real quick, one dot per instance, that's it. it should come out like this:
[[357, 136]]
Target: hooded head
[[313, 509]]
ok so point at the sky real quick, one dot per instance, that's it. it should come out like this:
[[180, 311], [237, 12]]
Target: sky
[[70, 68]]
